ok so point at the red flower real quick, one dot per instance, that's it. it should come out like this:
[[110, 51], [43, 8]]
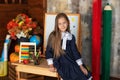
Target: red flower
[[21, 23]]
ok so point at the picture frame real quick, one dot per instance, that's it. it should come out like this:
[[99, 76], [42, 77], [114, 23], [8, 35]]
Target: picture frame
[[75, 28]]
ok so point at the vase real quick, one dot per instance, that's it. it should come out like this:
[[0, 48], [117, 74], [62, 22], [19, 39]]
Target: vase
[[22, 39], [37, 61]]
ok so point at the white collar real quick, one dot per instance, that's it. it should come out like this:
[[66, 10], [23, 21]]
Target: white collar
[[65, 36]]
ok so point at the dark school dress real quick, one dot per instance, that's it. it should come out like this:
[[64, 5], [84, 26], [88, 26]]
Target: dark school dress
[[66, 64]]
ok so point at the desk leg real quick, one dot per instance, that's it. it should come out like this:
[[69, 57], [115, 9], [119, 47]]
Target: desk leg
[[59, 78], [18, 75]]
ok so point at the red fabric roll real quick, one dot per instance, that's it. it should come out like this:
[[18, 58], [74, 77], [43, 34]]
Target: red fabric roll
[[96, 38]]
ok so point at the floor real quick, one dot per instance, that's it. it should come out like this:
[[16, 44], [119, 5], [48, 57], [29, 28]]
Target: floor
[[46, 78], [49, 78], [115, 78]]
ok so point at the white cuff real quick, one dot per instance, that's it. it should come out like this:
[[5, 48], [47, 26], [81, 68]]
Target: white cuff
[[50, 61], [79, 62], [90, 78]]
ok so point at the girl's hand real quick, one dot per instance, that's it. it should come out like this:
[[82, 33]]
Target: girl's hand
[[84, 70], [52, 68]]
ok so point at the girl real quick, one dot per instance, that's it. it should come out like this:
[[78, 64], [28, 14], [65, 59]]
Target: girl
[[62, 54]]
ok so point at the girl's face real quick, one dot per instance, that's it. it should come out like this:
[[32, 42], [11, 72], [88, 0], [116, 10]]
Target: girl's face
[[62, 24]]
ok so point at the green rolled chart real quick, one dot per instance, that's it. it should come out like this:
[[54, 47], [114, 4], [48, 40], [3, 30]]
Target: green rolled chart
[[106, 46]]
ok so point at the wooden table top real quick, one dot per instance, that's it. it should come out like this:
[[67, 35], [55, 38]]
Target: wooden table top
[[41, 69]]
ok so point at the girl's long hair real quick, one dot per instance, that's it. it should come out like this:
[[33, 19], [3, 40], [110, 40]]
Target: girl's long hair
[[54, 39]]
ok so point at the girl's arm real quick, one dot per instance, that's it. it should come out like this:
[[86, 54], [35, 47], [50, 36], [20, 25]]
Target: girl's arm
[[76, 53], [49, 52], [84, 70], [77, 56], [52, 68], [49, 57]]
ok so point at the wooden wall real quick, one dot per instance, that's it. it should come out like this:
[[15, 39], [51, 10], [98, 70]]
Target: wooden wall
[[10, 8]]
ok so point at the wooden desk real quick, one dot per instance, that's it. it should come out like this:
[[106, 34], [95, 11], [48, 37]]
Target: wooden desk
[[41, 69]]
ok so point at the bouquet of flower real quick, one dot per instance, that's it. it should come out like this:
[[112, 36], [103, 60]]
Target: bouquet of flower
[[20, 26]]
